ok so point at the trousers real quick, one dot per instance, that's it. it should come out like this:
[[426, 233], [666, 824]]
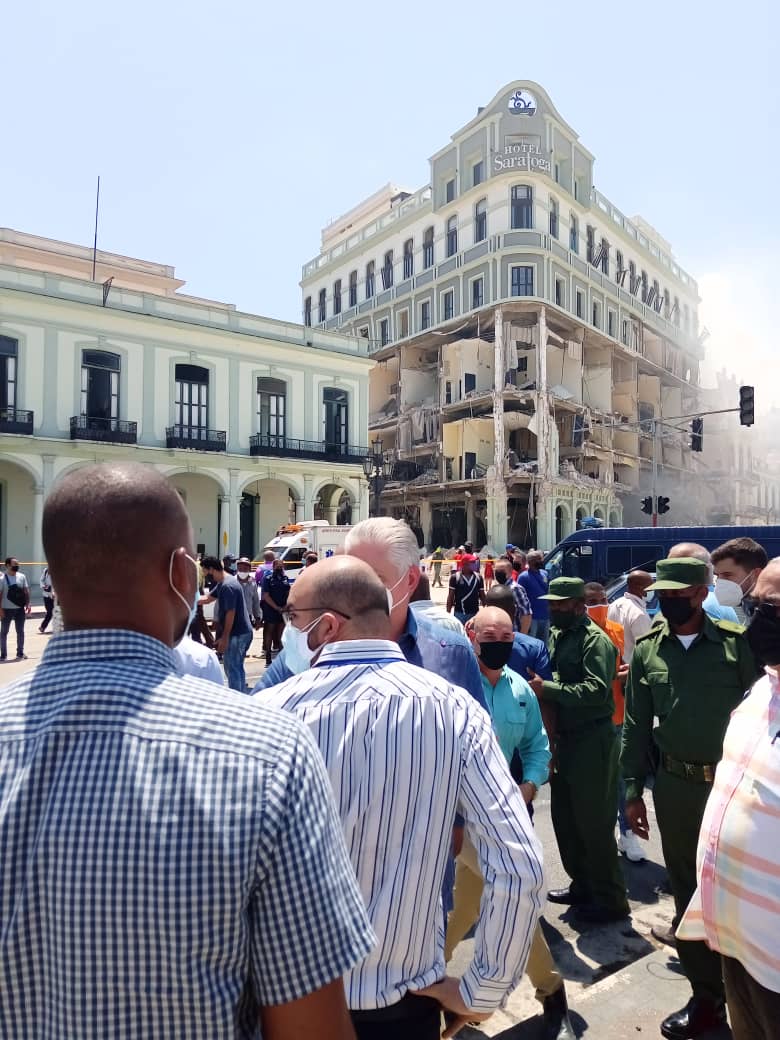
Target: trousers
[[12, 616], [541, 969], [583, 794], [48, 606], [754, 1010], [233, 659], [413, 1018], [679, 809]]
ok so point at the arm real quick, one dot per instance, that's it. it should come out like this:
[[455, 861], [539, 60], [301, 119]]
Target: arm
[[227, 628], [482, 600], [257, 612], [451, 596], [274, 675], [637, 728], [271, 602], [598, 671], [323, 1014], [27, 604], [534, 749], [542, 665], [525, 624]]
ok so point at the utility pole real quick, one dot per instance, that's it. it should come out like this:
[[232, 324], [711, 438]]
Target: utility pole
[[654, 490]]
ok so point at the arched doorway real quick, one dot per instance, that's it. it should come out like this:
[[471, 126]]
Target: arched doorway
[[201, 495], [559, 524], [581, 514], [334, 504], [17, 534], [266, 505]]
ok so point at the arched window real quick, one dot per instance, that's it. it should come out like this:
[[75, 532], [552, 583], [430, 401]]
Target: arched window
[[322, 306], [370, 267], [353, 288], [428, 248], [553, 218], [480, 221], [100, 384], [337, 296], [408, 258], [387, 270], [574, 233], [452, 236], [307, 311], [590, 243], [522, 206]]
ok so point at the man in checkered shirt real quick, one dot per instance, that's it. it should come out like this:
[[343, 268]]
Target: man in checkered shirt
[[171, 861]]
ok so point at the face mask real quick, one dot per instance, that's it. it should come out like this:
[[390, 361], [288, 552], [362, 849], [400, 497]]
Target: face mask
[[763, 634], [501, 578], [297, 652], [598, 613], [677, 610], [14, 568], [728, 593], [649, 597], [231, 570], [390, 601], [495, 655], [562, 618], [192, 607], [244, 575]]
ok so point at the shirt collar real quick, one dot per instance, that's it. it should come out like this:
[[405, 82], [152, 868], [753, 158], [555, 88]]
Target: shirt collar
[[639, 600], [111, 644], [359, 651], [710, 630], [409, 634]]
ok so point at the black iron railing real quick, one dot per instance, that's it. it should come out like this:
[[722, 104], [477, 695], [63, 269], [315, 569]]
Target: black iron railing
[[114, 431], [196, 437], [292, 447], [15, 420]]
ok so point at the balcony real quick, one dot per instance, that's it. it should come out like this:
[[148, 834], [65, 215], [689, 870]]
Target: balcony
[[112, 431], [14, 420], [196, 438], [292, 448]]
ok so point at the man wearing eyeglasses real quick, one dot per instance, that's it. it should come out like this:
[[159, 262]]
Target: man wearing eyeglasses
[[690, 672]]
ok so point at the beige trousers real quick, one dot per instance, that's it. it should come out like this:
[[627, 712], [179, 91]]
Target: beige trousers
[[540, 969]]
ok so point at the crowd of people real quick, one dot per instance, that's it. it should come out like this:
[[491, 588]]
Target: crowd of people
[[181, 860]]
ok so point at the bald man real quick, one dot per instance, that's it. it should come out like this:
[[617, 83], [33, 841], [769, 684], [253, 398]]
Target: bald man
[[630, 611], [172, 862], [694, 551], [405, 750]]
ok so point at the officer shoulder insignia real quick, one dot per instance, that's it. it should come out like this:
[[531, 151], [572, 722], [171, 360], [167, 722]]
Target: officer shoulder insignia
[[648, 635], [729, 626]]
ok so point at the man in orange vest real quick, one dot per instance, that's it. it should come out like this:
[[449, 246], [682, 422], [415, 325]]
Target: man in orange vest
[[597, 607]]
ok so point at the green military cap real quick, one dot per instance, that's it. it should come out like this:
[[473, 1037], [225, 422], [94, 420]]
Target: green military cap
[[566, 588], [680, 573]]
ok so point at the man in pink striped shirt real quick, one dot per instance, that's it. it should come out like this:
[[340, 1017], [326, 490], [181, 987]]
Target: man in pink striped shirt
[[736, 907]]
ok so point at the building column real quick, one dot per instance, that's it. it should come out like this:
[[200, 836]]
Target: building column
[[426, 523], [495, 485], [308, 498], [300, 510], [545, 517], [234, 529], [471, 522], [543, 440], [37, 539], [224, 525]]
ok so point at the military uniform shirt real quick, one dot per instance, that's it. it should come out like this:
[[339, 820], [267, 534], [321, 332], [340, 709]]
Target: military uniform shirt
[[583, 662]]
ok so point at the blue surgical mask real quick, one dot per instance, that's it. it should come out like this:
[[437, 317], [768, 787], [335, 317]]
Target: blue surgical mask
[[191, 608], [297, 652]]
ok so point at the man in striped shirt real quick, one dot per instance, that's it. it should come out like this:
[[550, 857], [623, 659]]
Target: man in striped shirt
[[406, 750], [171, 861]]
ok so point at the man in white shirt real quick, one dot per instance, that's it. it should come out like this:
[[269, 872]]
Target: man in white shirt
[[405, 750], [630, 611], [195, 659]]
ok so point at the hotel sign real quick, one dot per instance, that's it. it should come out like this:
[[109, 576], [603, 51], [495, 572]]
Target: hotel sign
[[522, 153]]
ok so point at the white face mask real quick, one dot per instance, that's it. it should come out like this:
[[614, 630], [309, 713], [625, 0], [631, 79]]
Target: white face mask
[[244, 575], [390, 601], [297, 652], [191, 608], [728, 593]]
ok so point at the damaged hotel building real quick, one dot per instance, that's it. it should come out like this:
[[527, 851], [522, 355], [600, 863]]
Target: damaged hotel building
[[523, 331]]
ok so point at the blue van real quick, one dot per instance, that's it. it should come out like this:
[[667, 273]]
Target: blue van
[[604, 553]]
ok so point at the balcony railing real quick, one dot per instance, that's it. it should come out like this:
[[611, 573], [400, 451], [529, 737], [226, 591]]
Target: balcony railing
[[197, 438], [113, 431], [14, 420], [292, 448]]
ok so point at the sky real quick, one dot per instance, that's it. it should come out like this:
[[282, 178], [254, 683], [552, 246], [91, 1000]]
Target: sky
[[227, 136]]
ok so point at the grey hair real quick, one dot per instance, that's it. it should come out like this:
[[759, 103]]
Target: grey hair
[[693, 551], [395, 537]]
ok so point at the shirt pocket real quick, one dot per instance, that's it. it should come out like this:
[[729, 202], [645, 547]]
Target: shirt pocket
[[661, 690]]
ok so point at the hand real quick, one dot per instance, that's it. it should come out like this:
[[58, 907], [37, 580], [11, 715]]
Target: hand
[[622, 673], [28, 609], [221, 645], [536, 683], [457, 840], [447, 992], [528, 791], [636, 814]]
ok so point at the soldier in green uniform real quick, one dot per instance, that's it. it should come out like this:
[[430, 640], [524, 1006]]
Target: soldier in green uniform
[[690, 672], [583, 788]]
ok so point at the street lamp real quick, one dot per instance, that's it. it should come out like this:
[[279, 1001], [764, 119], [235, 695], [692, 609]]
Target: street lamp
[[377, 470]]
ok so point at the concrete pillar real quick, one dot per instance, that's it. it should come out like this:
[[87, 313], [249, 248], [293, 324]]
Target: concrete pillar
[[471, 522], [234, 529], [308, 498], [426, 523], [545, 517], [224, 525], [331, 514], [37, 540], [300, 511], [542, 410]]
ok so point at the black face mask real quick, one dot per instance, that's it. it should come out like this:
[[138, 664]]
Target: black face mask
[[501, 578], [763, 635], [677, 610], [495, 655]]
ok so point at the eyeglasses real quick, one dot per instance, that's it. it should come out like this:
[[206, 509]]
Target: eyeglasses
[[753, 605], [290, 615]]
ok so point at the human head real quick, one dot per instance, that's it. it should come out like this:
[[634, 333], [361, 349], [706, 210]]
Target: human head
[[269, 556], [105, 506], [339, 599], [244, 569], [519, 560], [423, 590], [739, 560], [468, 547], [692, 551], [229, 563], [637, 583], [278, 567], [390, 549], [310, 558], [567, 601], [492, 635], [534, 560], [212, 567], [501, 596], [11, 563], [681, 583], [595, 594], [503, 571], [468, 563], [763, 630]]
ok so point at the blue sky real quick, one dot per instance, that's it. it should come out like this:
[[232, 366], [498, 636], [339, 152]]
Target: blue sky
[[227, 136]]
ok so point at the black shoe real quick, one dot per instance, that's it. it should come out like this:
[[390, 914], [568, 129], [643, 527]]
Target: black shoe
[[21, 657], [556, 1024], [664, 934], [594, 913], [566, 897], [699, 1016]]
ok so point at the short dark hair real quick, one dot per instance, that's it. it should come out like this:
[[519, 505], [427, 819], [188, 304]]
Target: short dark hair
[[8, 560], [501, 596], [745, 551], [594, 586], [211, 563], [423, 590]]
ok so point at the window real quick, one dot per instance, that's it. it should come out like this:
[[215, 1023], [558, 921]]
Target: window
[[449, 190], [271, 410], [408, 258], [656, 293], [428, 248], [307, 311], [9, 350], [611, 323], [322, 306], [605, 256], [522, 206], [384, 332], [480, 221], [100, 384], [425, 315], [574, 233], [448, 302], [667, 304], [477, 173], [676, 311], [337, 296], [522, 281], [477, 293], [644, 287], [353, 288], [557, 172], [576, 189], [632, 279], [624, 332], [590, 243], [553, 218], [452, 236], [580, 303], [335, 418], [191, 399], [559, 288], [619, 274], [596, 315], [370, 268], [387, 270], [403, 323]]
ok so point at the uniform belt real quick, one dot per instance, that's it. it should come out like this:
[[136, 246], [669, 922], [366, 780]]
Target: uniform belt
[[696, 772]]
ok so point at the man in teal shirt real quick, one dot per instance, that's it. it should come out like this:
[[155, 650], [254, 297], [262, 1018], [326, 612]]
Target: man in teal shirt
[[517, 723]]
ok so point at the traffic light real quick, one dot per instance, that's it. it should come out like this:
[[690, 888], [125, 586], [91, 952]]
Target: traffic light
[[697, 435], [647, 505], [663, 501], [746, 405]]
